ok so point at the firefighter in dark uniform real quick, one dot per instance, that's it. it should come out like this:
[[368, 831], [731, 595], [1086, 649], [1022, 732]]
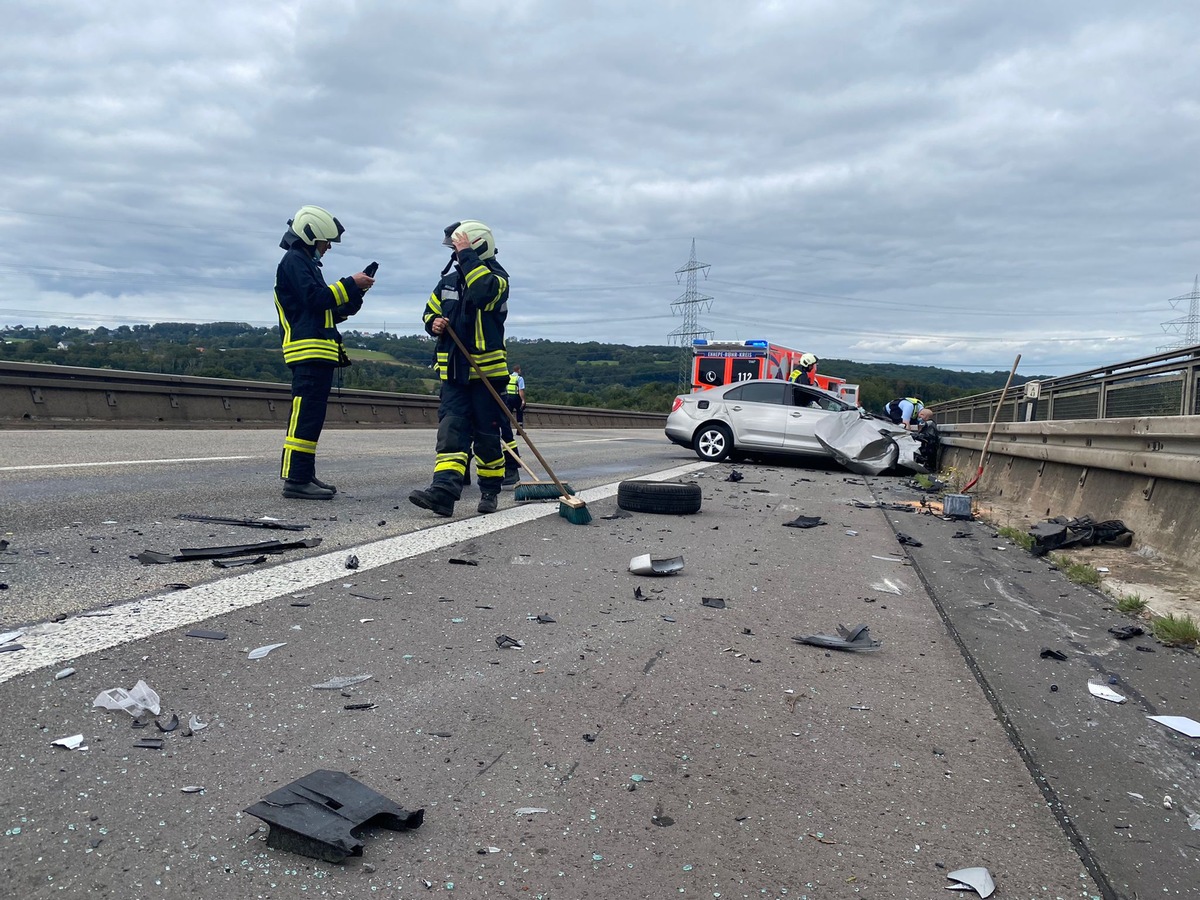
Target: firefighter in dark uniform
[[805, 371], [471, 298], [309, 311]]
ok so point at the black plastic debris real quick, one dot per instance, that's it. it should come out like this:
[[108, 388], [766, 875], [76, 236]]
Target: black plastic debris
[[856, 638], [204, 633], [464, 562], [1125, 632], [358, 706], [321, 814], [148, 743], [351, 561], [1063, 531], [735, 475], [11, 648], [712, 602], [240, 561], [619, 514], [546, 619], [177, 585], [963, 534], [504, 642], [187, 554], [1144, 648], [171, 725], [805, 522], [1050, 653], [249, 523], [907, 540], [637, 594], [590, 738]]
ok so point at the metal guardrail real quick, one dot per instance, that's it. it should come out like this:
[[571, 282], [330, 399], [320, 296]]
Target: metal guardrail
[[1166, 384], [1153, 447], [36, 395]]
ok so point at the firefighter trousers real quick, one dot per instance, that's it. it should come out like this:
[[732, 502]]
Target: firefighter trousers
[[468, 417], [311, 383]]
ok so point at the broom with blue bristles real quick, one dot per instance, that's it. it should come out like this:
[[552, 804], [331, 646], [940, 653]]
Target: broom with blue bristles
[[570, 507]]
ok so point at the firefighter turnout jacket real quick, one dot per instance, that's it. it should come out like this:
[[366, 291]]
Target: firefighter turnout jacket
[[473, 296], [308, 308]]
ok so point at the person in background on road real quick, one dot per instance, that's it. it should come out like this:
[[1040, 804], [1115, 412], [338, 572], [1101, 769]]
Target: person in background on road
[[471, 299], [309, 311], [516, 394], [805, 371], [903, 411], [929, 438]]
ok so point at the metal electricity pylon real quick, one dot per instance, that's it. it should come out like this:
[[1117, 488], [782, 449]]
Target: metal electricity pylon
[[1189, 325], [688, 305]]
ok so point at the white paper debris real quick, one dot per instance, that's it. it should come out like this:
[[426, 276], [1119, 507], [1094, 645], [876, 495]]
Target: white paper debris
[[10, 636], [1104, 692], [1182, 724], [75, 742], [64, 673], [530, 810]]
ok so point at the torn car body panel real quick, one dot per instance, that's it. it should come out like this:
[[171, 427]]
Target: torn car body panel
[[868, 445], [318, 815]]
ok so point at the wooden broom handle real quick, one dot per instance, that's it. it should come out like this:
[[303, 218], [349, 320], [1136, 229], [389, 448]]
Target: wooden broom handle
[[504, 406]]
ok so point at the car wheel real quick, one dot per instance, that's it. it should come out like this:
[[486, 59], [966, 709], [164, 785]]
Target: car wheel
[[668, 497], [713, 443]]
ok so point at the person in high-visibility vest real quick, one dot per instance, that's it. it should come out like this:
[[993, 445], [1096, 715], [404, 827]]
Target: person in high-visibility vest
[[903, 410], [805, 371], [516, 393]]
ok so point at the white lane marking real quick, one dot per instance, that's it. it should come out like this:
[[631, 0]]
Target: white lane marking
[[605, 440], [152, 615], [122, 462]]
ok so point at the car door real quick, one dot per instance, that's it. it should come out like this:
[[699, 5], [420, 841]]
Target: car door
[[757, 413], [806, 410]]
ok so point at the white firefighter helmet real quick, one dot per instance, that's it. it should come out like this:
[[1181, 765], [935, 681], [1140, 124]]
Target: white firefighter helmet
[[807, 361], [481, 237], [312, 224]]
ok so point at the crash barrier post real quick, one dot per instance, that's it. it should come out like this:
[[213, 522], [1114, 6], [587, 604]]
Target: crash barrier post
[[34, 395]]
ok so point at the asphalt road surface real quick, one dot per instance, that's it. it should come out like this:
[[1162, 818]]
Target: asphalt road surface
[[677, 749]]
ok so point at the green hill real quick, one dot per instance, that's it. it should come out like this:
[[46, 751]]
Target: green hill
[[609, 376]]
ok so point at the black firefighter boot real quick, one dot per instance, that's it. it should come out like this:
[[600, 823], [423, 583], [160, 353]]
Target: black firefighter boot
[[488, 502]]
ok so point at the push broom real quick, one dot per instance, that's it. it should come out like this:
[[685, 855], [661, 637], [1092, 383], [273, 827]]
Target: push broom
[[535, 489], [571, 508]]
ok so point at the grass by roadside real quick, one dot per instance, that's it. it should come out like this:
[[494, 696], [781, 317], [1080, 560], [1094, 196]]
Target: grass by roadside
[[1079, 573], [1176, 631], [1017, 536], [1131, 604]]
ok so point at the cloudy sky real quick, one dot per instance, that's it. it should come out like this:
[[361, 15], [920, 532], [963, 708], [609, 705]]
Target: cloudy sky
[[940, 183]]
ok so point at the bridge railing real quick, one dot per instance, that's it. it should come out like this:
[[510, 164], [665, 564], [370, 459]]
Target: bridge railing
[[1166, 384], [36, 395]]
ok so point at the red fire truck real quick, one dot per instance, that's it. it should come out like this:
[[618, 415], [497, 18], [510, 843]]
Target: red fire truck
[[716, 363]]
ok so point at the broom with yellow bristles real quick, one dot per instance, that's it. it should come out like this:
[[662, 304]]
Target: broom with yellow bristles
[[571, 508]]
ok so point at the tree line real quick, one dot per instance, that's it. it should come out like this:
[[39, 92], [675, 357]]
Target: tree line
[[605, 376]]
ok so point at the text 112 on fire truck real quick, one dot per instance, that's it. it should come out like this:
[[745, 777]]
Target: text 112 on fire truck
[[715, 363]]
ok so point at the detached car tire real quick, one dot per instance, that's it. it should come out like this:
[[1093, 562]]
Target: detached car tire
[[667, 497]]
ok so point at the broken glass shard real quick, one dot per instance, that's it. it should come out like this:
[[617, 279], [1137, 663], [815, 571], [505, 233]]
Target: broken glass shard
[[260, 652], [339, 682]]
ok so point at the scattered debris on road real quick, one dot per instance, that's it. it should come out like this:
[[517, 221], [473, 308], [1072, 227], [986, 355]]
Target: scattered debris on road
[[316, 815], [856, 638]]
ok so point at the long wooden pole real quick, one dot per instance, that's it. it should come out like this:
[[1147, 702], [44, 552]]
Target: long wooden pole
[[991, 428]]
